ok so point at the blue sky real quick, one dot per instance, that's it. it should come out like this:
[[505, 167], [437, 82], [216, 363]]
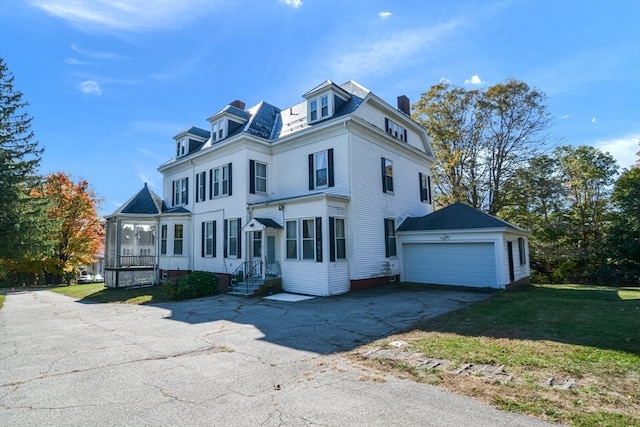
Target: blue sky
[[110, 82]]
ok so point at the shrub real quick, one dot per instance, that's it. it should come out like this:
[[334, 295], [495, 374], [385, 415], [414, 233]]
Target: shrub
[[194, 285]]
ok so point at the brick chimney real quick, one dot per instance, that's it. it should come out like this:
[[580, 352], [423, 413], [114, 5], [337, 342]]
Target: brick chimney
[[404, 105], [238, 104]]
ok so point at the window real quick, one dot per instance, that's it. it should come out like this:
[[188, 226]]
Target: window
[[201, 185], [395, 130], [521, 250], [313, 110], [321, 169], [338, 241], [324, 104], [163, 239], [390, 238], [217, 131], [209, 239], [145, 251], [324, 108], [292, 239], [257, 244], [257, 177], [425, 187], [221, 184], [178, 235], [232, 238], [181, 147], [308, 239], [387, 175], [181, 192]]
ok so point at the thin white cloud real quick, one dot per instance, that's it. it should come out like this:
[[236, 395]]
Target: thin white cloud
[[124, 15], [379, 56], [384, 15], [293, 3], [593, 120], [622, 149], [90, 87], [97, 54], [74, 61], [474, 80], [565, 116], [151, 154]]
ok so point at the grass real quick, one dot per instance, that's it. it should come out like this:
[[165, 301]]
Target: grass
[[2, 297], [96, 292], [588, 334]]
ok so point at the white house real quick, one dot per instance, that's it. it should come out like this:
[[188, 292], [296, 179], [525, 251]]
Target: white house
[[311, 194]]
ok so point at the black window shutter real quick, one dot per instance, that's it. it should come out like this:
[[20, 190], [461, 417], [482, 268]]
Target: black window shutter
[[429, 188], [197, 187], [311, 172], [420, 186], [214, 239], [330, 166], [226, 234], [239, 239], [386, 124], [384, 177], [210, 184], [173, 193], [405, 135], [230, 175], [318, 239], [186, 191], [252, 177], [386, 238], [332, 239], [203, 238]]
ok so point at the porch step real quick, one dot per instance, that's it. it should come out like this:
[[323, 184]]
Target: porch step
[[244, 289]]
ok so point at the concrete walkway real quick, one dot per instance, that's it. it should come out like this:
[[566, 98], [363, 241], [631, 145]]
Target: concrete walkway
[[221, 361]]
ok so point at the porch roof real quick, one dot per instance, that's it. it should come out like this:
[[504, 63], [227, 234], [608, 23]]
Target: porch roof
[[259, 224]]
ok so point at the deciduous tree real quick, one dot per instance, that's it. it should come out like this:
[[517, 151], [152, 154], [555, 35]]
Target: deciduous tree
[[481, 138], [624, 234], [79, 232]]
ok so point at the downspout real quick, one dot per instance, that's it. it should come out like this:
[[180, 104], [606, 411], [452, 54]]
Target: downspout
[[191, 222]]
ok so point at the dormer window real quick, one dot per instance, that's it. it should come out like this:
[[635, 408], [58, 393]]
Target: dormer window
[[181, 149], [321, 104], [395, 130], [218, 130]]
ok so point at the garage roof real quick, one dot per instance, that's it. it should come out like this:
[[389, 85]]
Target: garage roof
[[457, 216]]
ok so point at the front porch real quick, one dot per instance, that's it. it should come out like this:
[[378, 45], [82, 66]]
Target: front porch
[[256, 278], [130, 253], [261, 274]]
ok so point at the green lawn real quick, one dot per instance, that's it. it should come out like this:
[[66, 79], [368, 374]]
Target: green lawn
[[586, 334], [96, 292], [2, 296]]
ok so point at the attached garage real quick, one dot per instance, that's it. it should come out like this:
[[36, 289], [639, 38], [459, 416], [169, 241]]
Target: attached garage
[[462, 246], [468, 264]]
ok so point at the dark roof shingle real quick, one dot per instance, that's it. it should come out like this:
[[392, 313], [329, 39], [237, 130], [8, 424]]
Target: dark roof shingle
[[457, 216]]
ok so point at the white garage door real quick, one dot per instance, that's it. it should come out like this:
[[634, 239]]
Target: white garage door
[[463, 264]]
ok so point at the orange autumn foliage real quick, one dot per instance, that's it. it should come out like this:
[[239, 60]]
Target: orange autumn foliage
[[79, 233]]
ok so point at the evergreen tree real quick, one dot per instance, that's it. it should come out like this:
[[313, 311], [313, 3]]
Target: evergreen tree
[[23, 218]]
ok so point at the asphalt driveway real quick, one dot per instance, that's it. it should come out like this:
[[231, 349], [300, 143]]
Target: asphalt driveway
[[220, 361]]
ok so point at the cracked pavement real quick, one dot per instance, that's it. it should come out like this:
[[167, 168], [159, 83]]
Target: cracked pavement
[[221, 361]]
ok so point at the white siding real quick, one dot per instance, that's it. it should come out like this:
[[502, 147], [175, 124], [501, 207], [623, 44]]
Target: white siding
[[291, 165], [370, 206], [520, 271], [376, 117]]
